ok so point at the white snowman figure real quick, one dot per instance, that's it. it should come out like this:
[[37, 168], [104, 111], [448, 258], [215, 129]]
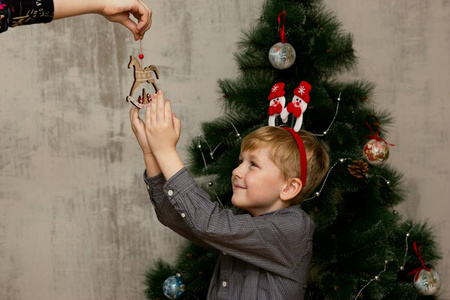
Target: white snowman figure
[[277, 102], [298, 104]]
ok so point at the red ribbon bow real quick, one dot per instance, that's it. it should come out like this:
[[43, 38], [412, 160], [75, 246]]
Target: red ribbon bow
[[281, 26], [276, 108], [375, 136], [418, 249], [294, 109]]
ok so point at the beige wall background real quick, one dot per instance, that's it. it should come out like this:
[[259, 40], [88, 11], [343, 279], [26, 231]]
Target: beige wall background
[[75, 220]]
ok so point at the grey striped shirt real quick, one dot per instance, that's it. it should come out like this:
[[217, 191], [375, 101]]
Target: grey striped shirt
[[264, 257]]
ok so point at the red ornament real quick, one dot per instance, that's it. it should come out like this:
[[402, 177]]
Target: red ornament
[[141, 56]]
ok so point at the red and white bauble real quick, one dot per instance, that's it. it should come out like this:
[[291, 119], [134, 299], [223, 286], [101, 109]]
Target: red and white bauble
[[376, 152]]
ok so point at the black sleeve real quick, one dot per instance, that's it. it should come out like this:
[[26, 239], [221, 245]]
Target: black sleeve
[[24, 12]]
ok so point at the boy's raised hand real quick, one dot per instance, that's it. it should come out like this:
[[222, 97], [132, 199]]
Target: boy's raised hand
[[162, 128], [158, 136]]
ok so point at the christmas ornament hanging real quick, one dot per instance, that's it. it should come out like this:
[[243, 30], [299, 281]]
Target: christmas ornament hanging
[[376, 152], [277, 102], [173, 287], [427, 282], [282, 55], [296, 107], [141, 75], [298, 104]]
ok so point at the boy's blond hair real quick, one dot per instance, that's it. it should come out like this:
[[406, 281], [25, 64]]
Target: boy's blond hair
[[284, 152]]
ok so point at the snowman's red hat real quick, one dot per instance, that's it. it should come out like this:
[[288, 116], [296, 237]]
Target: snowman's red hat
[[302, 91], [277, 91]]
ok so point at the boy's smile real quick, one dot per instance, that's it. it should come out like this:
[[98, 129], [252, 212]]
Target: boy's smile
[[257, 183]]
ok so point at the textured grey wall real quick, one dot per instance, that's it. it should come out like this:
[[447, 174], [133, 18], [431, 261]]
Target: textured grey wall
[[75, 222]]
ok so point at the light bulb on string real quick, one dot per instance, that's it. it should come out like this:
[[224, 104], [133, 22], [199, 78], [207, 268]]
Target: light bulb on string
[[334, 118], [375, 278], [317, 194]]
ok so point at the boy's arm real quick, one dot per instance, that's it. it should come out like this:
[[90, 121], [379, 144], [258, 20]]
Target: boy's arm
[[165, 212], [155, 181], [138, 128]]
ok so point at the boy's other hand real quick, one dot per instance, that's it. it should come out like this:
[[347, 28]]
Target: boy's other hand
[[138, 127]]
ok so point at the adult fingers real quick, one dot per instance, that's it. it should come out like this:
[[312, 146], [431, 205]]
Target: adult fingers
[[144, 16], [131, 25]]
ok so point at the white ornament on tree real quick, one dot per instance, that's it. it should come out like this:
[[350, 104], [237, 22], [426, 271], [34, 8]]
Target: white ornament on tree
[[427, 282], [282, 55]]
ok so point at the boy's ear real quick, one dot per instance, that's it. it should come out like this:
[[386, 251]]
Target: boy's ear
[[292, 188]]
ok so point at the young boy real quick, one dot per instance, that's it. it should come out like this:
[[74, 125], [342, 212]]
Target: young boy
[[266, 240]]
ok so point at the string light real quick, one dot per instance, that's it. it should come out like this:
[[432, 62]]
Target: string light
[[376, 278], [199, 146], [317, 194], [210, 184], [402, 267], [334, 118], [211, 154], [387, 181], [238, 135]]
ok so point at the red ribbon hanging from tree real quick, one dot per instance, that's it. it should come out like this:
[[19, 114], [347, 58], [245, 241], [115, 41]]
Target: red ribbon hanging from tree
[[418, 249], [375, 136], [281, 26]]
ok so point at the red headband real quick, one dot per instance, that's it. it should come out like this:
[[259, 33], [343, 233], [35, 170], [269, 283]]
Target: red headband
[[301, 149]]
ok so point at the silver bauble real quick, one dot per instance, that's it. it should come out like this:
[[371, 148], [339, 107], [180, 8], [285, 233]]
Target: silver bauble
[[282, 55]]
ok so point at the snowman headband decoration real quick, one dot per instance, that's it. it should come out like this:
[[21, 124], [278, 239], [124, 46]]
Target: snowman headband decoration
[[296, 107]]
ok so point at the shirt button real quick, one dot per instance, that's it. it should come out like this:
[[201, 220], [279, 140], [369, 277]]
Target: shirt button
[[148, 187], [183, 215], [224, 283], [170, 192]]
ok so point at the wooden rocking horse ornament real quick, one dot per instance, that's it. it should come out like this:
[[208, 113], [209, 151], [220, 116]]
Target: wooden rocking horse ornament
[[142, 76]]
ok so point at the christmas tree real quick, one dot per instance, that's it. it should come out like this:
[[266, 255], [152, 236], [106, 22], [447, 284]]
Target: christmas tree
[[363, 249]]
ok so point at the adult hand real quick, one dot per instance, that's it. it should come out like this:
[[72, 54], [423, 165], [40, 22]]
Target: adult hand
[[114, 10], [119, 11]]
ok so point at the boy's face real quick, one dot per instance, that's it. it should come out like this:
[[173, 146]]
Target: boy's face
[[257, 183]]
